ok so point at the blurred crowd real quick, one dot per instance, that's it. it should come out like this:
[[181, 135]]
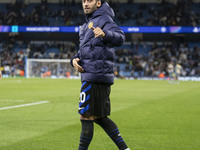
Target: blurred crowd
[[138, 59], [181, 13], [151, 60], [156, 57], [13, 53], [41, 14]]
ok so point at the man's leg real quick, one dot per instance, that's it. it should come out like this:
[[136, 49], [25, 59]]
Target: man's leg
[[86, 132], [113, 132]]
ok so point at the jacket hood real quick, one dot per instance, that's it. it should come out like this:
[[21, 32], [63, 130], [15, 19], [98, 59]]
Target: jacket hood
[[104, 9]]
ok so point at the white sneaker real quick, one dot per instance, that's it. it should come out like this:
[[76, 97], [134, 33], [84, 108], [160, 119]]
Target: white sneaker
[[128, 149]]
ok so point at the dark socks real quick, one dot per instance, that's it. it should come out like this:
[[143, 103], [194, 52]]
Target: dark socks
[[112, 130], [86, 134]]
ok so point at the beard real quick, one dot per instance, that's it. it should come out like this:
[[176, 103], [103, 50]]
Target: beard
[[90, 10]]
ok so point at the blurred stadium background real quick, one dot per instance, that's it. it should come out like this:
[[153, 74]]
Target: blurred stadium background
[[37, 39], [157, 32]]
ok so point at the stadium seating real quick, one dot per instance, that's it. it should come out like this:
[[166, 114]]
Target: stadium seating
[[127, 14], [132, 59]]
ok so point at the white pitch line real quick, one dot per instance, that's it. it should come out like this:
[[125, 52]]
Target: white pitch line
[[6, 100], [23, 105]]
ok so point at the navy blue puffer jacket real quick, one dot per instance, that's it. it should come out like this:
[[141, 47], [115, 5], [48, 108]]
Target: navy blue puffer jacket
[[97, 54]]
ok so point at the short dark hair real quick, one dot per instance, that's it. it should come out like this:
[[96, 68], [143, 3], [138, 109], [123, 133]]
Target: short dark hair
[[102, 1]]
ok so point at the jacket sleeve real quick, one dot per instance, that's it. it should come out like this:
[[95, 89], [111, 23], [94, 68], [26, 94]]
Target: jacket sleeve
[[114, 36], [76, 56]]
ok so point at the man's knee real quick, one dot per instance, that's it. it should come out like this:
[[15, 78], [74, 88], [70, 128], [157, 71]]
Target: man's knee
[[87, 117], [94, 118]]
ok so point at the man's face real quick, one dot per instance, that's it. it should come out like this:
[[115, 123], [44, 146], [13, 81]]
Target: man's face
[[89, 6]]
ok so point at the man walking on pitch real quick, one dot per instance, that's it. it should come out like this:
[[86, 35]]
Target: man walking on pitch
[[94, 61]]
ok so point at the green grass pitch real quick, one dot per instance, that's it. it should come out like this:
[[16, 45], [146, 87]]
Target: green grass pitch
[[151, 115]]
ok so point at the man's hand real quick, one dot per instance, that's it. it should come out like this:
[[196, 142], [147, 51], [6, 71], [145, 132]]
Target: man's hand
[[77, 66], [98, 32]]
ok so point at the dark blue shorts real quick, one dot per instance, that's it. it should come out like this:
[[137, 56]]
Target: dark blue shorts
[[94, 99]]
